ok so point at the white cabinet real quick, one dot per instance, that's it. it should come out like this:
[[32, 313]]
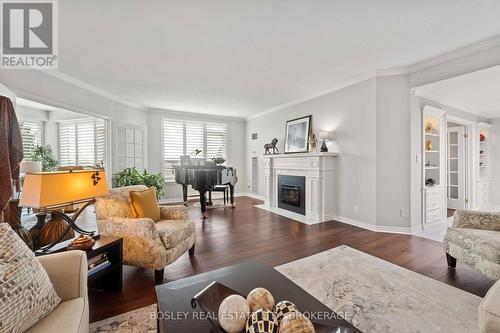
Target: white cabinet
[[434, 165], [482, 165]]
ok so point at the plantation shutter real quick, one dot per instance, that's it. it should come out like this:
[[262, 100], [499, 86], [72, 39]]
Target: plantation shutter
[[173, 146], [195, 132], [67, 144], [82, 142], [85, 130], [216, 140], [100, 140], [31, 133]]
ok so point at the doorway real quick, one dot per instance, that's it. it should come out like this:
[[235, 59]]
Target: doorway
[[456, 167]]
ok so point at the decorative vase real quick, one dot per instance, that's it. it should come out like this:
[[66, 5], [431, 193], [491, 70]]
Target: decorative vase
[[428, 145], [35, 230], [53, 229], [13, 217]]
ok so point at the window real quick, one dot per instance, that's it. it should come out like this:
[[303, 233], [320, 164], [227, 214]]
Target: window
[[184, 137], [32, 134], [82, 142]]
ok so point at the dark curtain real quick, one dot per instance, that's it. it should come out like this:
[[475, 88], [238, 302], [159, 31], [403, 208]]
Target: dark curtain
[[11, 151]]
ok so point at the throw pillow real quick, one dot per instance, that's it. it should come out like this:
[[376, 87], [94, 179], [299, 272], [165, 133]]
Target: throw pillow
[[144, 204], [26, 293]]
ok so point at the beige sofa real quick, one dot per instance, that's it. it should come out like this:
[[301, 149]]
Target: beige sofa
[[68, 273], [489, 311], [146, 243], [474, 239]]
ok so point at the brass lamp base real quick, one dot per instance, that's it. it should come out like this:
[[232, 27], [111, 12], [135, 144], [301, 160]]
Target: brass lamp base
[[55, 230]]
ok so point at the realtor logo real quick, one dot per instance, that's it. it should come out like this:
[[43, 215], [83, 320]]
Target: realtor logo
[[29, 34]]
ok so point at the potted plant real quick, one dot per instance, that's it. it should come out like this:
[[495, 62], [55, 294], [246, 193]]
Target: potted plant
[[132, 176], [45, 155]]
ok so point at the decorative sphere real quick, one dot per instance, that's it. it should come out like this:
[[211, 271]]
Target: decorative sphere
[[260, 298], [282, 308], [233, 313], [296, 322], [262, 321]]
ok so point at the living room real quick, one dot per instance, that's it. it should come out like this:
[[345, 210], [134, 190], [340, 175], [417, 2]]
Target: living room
[[250, 167]]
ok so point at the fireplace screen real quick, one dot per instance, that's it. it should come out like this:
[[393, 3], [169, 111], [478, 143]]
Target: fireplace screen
[[290, 195]]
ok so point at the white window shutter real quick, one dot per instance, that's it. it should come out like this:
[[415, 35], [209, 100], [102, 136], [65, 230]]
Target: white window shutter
[[173, 146], [216, 140], [67, 143], [32, 134]]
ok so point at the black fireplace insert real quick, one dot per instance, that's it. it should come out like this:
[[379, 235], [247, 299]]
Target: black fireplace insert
[[291, 193]]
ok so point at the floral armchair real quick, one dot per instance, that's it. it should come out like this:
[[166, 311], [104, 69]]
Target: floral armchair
[[146, 243], [474, 239]]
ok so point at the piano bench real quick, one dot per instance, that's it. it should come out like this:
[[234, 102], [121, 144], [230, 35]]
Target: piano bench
[[220, 188]]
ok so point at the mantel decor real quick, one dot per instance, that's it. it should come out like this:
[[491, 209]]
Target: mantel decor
[[50, 191], [297, 133]]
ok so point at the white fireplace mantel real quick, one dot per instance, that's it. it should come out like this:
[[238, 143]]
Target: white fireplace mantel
[[320, 172]]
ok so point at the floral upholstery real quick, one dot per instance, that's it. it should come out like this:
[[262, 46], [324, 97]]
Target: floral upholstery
[[474, 239], [476, 220], [145, 243]]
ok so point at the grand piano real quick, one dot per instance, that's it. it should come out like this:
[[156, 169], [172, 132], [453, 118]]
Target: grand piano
[[203, 176]]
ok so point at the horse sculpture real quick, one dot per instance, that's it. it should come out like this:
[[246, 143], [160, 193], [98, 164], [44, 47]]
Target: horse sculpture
[[272, 145]]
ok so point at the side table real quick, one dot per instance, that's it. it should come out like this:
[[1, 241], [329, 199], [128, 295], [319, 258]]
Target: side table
[[108, 274]]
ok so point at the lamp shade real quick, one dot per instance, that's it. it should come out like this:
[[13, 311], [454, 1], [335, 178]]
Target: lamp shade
[[324, 135], [30, 166], [53, 189]]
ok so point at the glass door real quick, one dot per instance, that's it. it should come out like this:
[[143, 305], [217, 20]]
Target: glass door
[[456, 168]]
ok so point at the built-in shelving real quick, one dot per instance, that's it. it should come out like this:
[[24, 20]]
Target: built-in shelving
[[434, 162]]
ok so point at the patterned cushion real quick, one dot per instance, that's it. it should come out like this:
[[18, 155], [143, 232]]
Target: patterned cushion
[[484, 243], [173, 232], [476, 220], [26, 293], [116, 203]]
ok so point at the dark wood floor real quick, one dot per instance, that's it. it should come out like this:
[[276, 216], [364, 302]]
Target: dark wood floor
[[230, 236]]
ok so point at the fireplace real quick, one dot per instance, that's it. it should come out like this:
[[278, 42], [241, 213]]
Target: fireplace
[[291, 193]]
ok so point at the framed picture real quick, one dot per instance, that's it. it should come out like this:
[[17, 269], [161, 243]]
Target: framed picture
[[297, 135]]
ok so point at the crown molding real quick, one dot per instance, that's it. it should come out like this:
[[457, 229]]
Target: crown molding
[[347, 83], [181, 113], [81, 84], [477, 47]]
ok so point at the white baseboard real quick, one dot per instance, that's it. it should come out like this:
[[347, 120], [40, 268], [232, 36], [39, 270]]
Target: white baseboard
[[374, 228], [338, 218]]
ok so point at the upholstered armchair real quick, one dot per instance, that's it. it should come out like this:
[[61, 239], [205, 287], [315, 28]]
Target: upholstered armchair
[[474, 239], [146, 243]]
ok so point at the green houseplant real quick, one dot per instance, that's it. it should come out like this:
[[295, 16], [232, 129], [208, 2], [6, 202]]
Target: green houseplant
[[132, 176], [45, 155]]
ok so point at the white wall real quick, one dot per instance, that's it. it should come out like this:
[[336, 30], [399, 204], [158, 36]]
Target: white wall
[[235, 154], [393, 155], [495, 161], [350, 113]]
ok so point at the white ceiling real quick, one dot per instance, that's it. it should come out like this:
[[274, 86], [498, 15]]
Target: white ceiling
[[239, 58], [477, 93]]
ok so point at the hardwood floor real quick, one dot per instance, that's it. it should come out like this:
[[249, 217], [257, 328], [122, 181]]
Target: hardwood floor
[[230, 236]]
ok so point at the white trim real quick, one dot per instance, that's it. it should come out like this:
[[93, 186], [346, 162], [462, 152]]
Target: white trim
[[81, 84], [180, 114], [403, 70], [59, 105], [455, 54], [347, 83], [412, 68], [374, 228]]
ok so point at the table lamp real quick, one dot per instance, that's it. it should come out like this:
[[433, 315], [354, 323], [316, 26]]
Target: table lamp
[[324, 136], [50, 191]]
